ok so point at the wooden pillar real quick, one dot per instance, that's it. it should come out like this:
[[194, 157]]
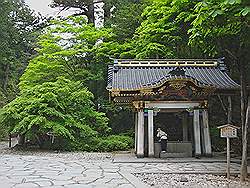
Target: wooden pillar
[[185, 127], [197, 134], [140, 137], [150, 133], [136, 131], [243, 169], [206, 134], [202, 135], [228, 158]]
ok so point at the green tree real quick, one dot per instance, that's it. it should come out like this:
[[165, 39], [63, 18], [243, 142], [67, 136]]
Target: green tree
[[18, 25], [63, 108], [125, 18], [66, 48], [53, 95], [222, 27], [163, 31]]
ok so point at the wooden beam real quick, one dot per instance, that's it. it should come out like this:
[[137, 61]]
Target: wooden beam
[[171, 104]]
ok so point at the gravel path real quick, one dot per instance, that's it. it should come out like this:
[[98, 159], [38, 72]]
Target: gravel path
[[158, 180]]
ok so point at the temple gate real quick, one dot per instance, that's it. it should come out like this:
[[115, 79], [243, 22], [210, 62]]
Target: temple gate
[[169, 85]]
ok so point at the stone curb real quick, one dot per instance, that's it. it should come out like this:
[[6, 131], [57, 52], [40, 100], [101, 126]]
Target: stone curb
[[172, 161], [233, 173], [133, 180]]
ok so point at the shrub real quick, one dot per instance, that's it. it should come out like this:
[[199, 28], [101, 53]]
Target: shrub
[[100, 144], [111, 145], [115, 143], [63, 108]]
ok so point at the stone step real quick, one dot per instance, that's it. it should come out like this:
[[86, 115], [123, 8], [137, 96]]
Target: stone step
[[173, 155]]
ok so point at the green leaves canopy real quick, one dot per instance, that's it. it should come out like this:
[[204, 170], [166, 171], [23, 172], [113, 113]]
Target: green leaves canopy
[[221, 27], [54, 97], [62, 107], [163, 32]]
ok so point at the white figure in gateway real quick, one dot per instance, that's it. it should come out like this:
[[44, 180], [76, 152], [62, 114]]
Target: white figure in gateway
[[163, 138]]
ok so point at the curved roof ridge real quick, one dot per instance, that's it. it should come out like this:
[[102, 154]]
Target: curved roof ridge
[[131, 78], [166, 78]]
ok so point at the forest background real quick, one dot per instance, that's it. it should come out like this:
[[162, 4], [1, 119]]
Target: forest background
[[53, 72]]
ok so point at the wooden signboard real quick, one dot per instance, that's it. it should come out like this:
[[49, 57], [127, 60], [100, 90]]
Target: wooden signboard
[[228, 131]]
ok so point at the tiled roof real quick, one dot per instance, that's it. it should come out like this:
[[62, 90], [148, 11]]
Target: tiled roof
[[136, 74]]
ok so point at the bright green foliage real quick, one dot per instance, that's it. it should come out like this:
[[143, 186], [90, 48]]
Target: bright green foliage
[[115, 143], [63, 108], [66, 48], [54, 91], [54, 97], [221, 26], [110, 143], [163, 32]]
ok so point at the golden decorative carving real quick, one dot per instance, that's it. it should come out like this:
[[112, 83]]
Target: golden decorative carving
[[162, 89], [192, 88], [179, 88], [205, 91], [204, 104], [160, 84], [115, 93], [147, 91], [177, 84], [168, 62], [139, 104]]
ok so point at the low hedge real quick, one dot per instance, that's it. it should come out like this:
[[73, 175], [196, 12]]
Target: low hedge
[[115, 143]]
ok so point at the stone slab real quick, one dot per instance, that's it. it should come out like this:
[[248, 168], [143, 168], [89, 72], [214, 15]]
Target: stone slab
[[164, 155]]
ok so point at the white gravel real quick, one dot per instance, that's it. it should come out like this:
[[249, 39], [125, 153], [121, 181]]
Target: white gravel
[[190, 180]]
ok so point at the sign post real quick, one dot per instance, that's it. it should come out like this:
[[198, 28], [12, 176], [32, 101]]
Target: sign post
[[228, 158], [228, 131]]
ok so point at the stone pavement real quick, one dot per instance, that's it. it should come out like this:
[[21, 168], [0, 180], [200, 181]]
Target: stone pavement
[[72, 170]]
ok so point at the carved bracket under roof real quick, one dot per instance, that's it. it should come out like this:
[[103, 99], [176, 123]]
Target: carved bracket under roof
[[182, 86], [174, 89], [139, 104]]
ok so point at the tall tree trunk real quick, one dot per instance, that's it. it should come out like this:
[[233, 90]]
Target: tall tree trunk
[[243, 122], [243, 171], [91, 16]]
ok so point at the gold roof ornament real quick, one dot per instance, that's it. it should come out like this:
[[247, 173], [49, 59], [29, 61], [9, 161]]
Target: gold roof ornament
[[168, 62]]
